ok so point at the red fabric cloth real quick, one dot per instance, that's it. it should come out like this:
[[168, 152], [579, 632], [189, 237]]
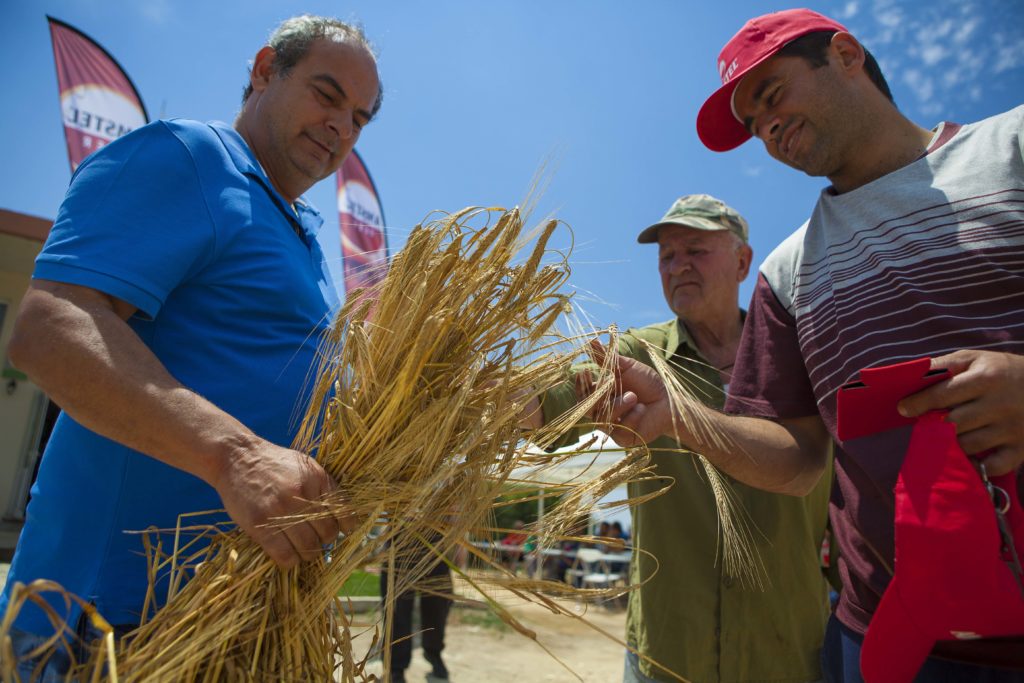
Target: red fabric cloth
[[951, 579]]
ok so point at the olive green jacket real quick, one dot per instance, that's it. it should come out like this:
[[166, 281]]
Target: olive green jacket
[[689, 616]]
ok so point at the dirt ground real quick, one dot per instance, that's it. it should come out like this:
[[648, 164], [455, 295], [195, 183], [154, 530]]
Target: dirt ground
[[479, 648]]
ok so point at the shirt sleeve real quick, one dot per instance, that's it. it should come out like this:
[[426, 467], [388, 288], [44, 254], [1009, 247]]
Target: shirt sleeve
[[134, 223], [1020, 130], [769, 379]]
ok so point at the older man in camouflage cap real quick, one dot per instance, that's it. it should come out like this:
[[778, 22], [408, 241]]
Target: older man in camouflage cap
[[691, 617]]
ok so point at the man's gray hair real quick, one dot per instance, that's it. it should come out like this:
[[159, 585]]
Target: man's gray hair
[[294, 37]]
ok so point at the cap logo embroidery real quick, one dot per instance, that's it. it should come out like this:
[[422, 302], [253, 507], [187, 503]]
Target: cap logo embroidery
[[725, 73]]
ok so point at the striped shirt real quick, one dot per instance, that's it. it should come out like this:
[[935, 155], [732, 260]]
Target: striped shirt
[[924, 261]]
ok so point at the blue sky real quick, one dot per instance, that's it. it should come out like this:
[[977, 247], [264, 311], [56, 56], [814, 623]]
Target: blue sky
[[480, 95]]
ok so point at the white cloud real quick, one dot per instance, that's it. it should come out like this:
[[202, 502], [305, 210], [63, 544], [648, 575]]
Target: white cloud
[[966, 30], [887, 17], [922, 85], [943, 51], [928, 33], [881, 39], [890, 18], [933, 54], [966, 68], [849, 10], [1009, 53], [751, 171], [889, 65]]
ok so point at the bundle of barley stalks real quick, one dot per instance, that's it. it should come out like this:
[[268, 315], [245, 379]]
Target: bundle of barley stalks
[[415, 413]]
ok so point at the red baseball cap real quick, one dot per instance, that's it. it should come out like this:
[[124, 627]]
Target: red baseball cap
[[951, 577], [717, 125]]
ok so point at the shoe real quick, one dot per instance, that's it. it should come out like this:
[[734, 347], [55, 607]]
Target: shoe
[[439, 670]]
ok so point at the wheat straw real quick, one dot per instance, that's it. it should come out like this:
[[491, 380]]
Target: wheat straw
[[415, 411]]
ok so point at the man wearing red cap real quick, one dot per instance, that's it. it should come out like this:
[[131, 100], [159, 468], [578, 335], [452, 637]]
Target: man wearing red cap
[[915, 249]]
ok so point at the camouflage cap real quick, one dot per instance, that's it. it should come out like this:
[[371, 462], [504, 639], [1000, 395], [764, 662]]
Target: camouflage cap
[[701, 211]]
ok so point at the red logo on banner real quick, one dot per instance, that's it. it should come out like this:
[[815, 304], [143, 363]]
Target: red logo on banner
[[364, 248], [97, 99]]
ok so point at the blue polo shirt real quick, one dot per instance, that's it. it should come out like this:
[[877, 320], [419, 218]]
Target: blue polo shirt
[[233, 294]]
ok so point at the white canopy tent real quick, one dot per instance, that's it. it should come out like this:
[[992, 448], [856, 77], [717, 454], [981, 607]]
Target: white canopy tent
[[602, 453]]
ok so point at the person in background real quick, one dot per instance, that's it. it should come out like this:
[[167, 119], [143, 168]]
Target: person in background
[[514, 543], [433, 589], [616, 546], [516, 537]]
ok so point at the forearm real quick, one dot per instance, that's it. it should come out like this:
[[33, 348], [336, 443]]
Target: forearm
[[787, 456], [75, 344], [784, 456], [82, 354]]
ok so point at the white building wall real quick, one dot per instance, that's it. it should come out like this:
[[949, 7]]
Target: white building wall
[[20, 399]]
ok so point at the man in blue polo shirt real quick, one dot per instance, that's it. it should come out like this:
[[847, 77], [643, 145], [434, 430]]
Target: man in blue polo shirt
[[174, 315]]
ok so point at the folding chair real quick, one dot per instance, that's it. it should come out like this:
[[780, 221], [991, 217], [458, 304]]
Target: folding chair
[[590, 570]]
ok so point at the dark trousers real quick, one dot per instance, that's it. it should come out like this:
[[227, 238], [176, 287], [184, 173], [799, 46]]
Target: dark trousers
[[840, 662], [433, 616]]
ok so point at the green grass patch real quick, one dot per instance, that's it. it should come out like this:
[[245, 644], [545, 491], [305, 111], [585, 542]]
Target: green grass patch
[[361, 584], [484, 618]]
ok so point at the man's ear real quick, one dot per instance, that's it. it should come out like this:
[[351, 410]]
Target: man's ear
[[847, 51], [746, 256], [263, 69]]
